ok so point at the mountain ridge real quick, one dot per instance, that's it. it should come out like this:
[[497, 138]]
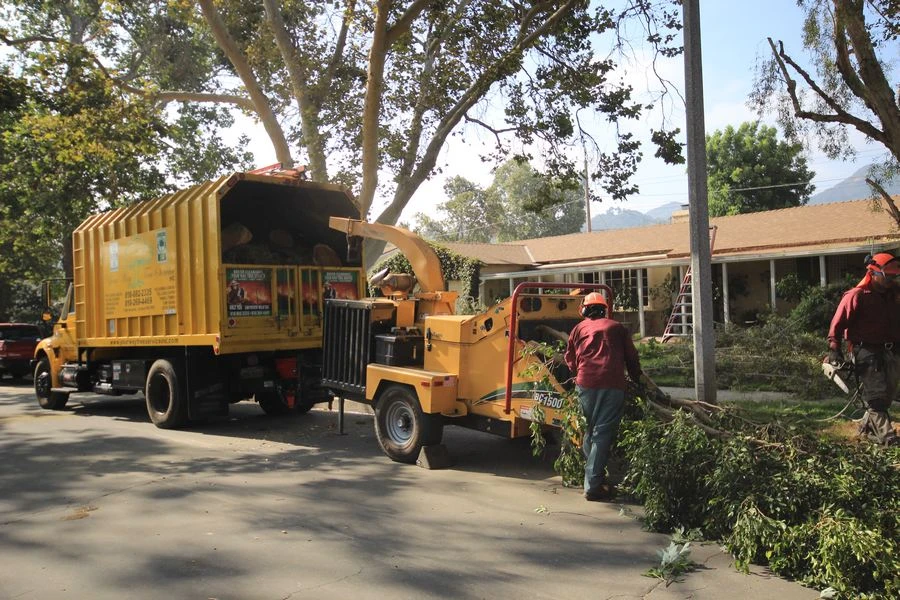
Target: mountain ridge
[[853, 187]]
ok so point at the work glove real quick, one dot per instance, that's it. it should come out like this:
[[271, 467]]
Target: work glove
[[835, 357]]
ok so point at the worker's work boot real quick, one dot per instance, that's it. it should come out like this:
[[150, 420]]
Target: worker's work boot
[[876, 426], [605, 493]]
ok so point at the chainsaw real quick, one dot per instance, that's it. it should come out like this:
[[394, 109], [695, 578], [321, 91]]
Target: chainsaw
[[840, 374]]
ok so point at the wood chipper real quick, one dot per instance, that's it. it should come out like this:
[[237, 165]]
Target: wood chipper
[[420, 366]]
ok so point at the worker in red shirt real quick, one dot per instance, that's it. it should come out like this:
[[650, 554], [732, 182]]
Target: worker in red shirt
[[868, 317], [598, 352]]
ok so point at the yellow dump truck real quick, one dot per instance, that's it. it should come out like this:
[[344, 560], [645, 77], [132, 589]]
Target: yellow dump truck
[[421, 366], [203, 298]]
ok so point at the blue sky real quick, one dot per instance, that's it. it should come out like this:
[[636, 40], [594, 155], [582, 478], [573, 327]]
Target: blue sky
[[733, 36]]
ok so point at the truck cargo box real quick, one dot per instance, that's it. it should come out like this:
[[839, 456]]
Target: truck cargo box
[[239, 264]]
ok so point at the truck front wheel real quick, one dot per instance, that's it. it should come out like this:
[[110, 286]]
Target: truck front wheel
[[165, 394], [402, 428], [43, 382]]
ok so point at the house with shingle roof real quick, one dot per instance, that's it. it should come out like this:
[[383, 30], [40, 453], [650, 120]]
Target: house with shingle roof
[[751, 253]]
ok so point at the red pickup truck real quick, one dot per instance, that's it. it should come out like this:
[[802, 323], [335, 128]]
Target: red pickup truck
[[17, 344]]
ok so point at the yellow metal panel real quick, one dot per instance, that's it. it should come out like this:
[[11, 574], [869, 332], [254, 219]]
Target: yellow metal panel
[[436, 391], [181, 299]]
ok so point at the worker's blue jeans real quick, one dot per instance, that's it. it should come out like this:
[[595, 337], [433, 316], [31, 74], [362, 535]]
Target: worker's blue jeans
[[603, 410]]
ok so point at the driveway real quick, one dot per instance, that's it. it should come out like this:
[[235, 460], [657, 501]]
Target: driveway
[[97, 503]]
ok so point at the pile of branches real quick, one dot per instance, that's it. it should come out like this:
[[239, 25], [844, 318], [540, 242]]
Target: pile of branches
[[815, 509]]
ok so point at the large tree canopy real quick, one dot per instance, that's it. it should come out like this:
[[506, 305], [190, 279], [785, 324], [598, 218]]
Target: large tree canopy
[[73, 141], [521, 203], [853, 46], [367, 93], [750, 169]]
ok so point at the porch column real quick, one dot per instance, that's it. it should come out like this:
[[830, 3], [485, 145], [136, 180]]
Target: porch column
[[512, 287], [726, 305], [772, 283], [823, 275], [641, 322]]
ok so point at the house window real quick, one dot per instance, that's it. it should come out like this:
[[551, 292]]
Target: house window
[[844, 267], [624, 284]]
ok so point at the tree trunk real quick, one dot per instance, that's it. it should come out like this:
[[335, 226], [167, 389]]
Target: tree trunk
[[372, 109], [245, 72]]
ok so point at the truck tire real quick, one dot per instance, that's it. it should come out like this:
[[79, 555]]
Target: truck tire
[[272, 403], [165, 395], [402, 428], [43, 381]]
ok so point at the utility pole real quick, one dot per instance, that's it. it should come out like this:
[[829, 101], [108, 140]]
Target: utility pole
[[698, 208]]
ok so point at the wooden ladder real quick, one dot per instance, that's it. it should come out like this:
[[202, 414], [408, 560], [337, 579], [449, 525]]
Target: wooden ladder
[[682, 317]]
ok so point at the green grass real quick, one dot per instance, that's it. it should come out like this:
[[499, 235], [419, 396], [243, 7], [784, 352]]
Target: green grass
[[805, 415]]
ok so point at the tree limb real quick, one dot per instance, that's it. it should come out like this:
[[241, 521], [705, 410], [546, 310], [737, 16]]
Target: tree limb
[[309, 113], [245, 72], [29, 40], [372, 107], [405, 21], [468, 99], [176, 95], [892, 207], [840, 115], [877, 92]]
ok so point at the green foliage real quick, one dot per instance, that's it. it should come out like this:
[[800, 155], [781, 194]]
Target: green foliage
[[74, 142], [817, 306], [672, 497], [846, 79], [824, 512], [778, 354], [520, 203], [674, 561], [454, 267], [752, 157], [570, 461], [791, 287]]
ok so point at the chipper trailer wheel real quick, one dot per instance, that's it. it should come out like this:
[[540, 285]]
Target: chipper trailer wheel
[[401, 427], [42, 383]]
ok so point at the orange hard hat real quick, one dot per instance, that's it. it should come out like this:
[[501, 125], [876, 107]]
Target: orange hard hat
[[884, 262], [594, 298]]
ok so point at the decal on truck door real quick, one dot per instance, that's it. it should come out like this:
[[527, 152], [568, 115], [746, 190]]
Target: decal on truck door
[[141, 279]]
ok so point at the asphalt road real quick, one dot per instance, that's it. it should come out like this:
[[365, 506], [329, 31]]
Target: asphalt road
[[97, 503]]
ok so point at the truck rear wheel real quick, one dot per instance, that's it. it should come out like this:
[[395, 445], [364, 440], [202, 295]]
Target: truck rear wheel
[[402, 428], [273, 403], [43, 382], [166, 397]]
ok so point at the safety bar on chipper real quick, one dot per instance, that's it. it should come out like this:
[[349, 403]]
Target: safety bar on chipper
[[513, 321]]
